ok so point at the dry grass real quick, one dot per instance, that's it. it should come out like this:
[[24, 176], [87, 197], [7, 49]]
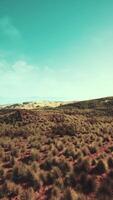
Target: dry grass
[[56, 154]]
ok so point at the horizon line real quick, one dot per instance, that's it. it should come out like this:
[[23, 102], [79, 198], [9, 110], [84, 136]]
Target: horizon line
[[13, 100]]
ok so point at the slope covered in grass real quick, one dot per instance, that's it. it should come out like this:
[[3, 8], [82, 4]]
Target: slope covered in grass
[[65, 153]]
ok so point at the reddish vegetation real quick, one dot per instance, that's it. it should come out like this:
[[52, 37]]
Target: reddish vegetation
[[56, 154]]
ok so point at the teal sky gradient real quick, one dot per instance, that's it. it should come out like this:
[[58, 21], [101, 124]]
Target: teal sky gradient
[[56, 49]]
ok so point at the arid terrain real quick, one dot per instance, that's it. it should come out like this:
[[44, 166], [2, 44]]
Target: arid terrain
[[57, 153]]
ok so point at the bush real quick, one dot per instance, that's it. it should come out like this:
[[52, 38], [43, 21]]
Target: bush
[[49, 178], [105, 191], [46, 165], [92, 149], [88, 184], [34, 155], [22, 174], [64, 166], [110, 174], [9, 190], [100, 168], [1, 172], [65, 129], [70, 180], [70, 194], [85, 151], [81, 166], [70, 152], [27, 194], [110, 162], [54, 194], [56, 172], [59, 183]]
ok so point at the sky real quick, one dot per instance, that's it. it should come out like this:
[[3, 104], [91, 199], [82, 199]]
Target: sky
[[55, 49]]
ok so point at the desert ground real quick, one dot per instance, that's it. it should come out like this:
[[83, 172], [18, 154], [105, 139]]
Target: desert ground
[[62, 152]]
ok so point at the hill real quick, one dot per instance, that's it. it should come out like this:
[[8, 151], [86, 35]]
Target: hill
[[35, 105], [63, 152], [101, 103]]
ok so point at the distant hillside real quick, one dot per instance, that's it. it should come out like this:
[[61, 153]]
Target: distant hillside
[[90, 104], [99, 104], [36, 105]]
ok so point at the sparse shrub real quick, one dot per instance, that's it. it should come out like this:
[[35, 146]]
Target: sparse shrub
[[59, 183], [85, 151], [93, 162], [65, 129], [15, 152], [92, 149], [70, 180], [46, 165], [100, 168], [34, 155], [35, 166], [6, 157], [79, 155], [64, 166], [88, 183], [1, 172], [9, 190], [83, 165], [27, 194], [54, 194], [110, 162], [105, 191], [23, 174], [70, 152], [1, 154], [110, 174], [111, 148], [50, 178], [70, 194], [56, 172], [59, 146], [12, 189]]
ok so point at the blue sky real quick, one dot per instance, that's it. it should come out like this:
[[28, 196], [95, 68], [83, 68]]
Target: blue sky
[[61, 50]]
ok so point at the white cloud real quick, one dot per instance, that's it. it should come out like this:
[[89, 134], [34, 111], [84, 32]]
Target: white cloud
[[21, 79], [8, 28], [23, 67]]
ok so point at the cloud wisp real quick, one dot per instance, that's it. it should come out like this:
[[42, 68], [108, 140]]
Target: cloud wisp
[[22, 79], [8, 28]]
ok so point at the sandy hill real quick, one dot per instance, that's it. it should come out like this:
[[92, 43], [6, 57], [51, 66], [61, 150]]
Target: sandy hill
[[36, 105]]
